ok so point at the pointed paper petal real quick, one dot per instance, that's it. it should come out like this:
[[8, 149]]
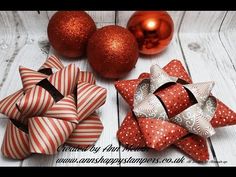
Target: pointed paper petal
[[47, 134], [86, 132], [176, 69], [8, 105], [223, 115], [194, 146], [65, 80], [127, 88], [52, 62], [15, 143], [65, 109], [89, 98], [30, 77], [144, 76], [201, 91], [159, 134], [129, 133]]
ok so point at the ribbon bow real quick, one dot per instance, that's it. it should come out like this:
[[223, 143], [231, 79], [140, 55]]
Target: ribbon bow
[[52, 109], [163, 97], [166, 106]]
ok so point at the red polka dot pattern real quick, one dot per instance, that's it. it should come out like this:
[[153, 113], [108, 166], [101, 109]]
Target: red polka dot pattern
[[126, 88], [129, 133], [160, 134], [176, 69], [144, 76], [175, 99], [195, 146], [223, 115]]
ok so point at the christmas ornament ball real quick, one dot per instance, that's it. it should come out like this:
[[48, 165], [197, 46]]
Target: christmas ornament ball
[[153, 30], [69, 31], [112, 51]]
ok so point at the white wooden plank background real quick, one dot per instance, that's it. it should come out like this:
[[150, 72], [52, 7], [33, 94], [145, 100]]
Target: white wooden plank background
[[205, 42]]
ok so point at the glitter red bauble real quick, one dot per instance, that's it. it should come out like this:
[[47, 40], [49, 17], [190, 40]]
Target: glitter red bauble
[[69, 31], [153, 30], [112, 51]]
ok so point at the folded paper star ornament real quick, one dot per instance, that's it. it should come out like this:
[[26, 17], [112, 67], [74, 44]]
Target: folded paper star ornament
[[167, 108], [52, 109]]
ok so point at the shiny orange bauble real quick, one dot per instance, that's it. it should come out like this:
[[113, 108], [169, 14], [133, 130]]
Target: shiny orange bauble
[[153, 30], [69, 31], [112, 51]]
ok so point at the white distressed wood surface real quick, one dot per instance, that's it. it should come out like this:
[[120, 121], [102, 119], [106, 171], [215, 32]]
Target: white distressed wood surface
[[227, 36], [205, 42]]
